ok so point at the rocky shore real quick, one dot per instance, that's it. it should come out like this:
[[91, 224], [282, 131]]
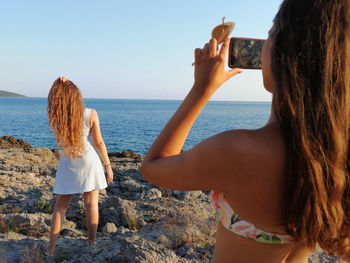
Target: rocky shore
[[138, 221]]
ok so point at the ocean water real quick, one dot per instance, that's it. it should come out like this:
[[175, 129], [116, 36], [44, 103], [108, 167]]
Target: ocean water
[[130, 124]]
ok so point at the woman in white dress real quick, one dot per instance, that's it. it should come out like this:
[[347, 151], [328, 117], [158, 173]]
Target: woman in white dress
[[77, 133]]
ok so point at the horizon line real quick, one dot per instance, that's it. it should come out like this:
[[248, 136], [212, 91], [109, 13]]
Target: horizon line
[[143, 99]]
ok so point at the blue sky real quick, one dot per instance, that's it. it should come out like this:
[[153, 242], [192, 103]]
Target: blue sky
[[123, 49]]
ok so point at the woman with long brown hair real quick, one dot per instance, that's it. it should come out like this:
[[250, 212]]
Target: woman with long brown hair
[[282, 189], [77, 131]]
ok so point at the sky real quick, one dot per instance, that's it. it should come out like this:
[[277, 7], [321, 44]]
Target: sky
[[123, 49]]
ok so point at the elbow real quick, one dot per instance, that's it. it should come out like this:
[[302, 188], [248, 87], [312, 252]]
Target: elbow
[[99, 144], [145, 172], [152, 175]]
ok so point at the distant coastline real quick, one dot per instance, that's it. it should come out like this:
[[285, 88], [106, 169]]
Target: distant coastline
[[8, 94]]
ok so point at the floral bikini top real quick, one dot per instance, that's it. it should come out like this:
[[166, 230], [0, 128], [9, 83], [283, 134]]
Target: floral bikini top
[[233, 222]]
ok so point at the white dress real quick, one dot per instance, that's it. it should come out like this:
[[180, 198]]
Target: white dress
[[82, 174]]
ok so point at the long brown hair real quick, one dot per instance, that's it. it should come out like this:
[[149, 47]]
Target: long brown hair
[[65, 112], [310, 63]]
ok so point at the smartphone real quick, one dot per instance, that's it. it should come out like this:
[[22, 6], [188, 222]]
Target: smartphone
[[245, 53]]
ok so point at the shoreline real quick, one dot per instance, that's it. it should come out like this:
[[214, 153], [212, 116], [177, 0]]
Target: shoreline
[[7, 142]]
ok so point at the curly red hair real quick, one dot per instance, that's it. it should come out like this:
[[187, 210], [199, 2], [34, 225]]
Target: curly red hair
[[65, 112]]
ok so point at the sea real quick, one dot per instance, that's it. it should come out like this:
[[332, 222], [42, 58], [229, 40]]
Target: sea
[[128, 124]]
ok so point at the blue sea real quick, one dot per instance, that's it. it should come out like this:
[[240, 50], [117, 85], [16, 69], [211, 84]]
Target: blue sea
[[130, 124]]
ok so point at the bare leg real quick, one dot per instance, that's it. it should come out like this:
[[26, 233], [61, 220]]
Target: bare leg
[[91, 205], [58, 215]]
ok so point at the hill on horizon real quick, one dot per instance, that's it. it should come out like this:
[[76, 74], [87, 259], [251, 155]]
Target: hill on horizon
[[4, 93]]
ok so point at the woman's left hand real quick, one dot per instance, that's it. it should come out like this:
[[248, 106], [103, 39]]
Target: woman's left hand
[[210, 73], [109, 174]]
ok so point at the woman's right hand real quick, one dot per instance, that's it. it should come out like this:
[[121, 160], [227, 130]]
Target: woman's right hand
[[210, 73]]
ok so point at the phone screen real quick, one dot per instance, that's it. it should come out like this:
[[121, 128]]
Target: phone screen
[[245, 53]]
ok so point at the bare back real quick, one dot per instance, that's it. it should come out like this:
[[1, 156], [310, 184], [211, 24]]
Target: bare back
[[256, 194]]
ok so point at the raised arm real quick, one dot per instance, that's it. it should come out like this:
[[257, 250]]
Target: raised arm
[[99, 144], [163, 166]]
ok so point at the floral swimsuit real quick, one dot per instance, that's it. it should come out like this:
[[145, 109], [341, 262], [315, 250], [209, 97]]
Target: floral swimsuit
[[233, 222]]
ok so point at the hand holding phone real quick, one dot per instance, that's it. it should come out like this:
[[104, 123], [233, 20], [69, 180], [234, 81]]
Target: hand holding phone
[[245, 53], [210, 71]]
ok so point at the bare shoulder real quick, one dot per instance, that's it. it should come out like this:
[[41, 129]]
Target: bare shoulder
[[265, 140], [93, 112], [245, 143], [93, 117], [248, 153]]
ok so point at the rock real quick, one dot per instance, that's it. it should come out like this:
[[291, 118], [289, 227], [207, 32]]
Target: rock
[[122, 230], [153, 194], [103, 192], [31, 219], [76, 213], [126, 154], [141, 250], [194, 195], [114, 252], [69, 232], [118, 211], [110, 228], [70, 225], [141, 222], [46, 156], [110, 215], [131, 186], [182, 195], [11, 236], [11, 142]]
